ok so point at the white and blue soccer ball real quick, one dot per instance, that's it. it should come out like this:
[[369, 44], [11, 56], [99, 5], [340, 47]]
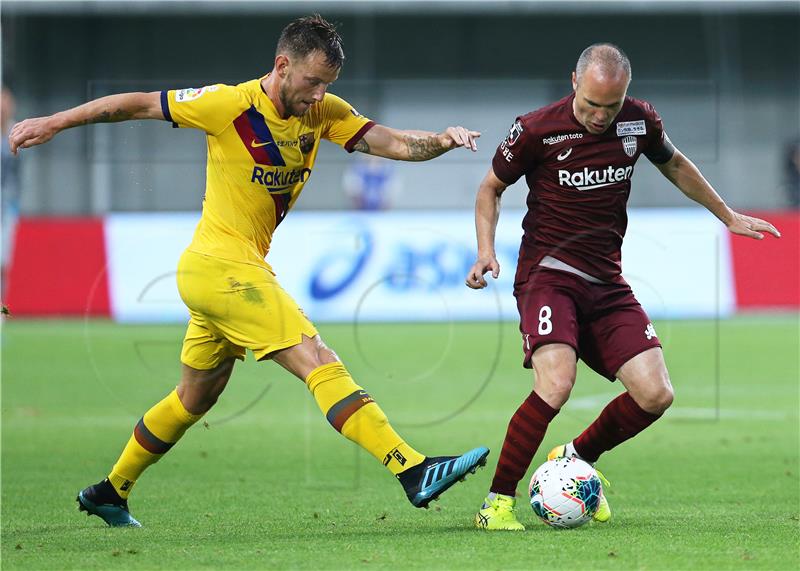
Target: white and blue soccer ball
[[565, 492]]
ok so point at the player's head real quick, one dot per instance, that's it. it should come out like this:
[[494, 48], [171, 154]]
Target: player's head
[[600, 81], [307, 60]]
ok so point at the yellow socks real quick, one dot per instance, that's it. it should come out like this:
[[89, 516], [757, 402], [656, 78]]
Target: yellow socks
[[158, 430], [349, 409], [354, 413]]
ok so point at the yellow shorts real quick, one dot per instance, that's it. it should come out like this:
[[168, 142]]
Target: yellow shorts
[[233, 307]]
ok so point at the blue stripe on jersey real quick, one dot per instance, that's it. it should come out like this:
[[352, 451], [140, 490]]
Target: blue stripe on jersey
[[165, 106], [259, 124]]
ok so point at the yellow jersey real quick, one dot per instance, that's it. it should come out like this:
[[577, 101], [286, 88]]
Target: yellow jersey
[[258, 162]]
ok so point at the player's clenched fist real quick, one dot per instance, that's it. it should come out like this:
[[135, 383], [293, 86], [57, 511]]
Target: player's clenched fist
[[475, 279]]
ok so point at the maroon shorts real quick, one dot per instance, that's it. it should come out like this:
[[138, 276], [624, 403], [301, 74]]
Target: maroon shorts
[[603, 322]]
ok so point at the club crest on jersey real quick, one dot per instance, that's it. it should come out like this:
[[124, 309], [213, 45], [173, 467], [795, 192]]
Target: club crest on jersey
[[631, 128], [514, 133], [306, 141], [629, 145]]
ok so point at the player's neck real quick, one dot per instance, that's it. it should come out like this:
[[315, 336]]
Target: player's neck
[[270, 87]]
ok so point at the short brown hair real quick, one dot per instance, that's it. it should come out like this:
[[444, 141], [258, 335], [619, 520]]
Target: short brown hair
[[310, 34]]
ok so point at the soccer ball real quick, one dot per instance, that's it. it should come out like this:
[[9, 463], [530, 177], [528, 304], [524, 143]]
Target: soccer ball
[[565, 492]]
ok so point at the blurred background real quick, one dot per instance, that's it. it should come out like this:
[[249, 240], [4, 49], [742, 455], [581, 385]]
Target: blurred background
[[725, 77]]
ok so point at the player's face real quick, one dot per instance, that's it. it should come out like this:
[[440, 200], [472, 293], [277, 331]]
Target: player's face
[[306, 82], [598, 99]]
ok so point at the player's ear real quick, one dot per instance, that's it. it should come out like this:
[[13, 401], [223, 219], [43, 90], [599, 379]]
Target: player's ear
[[574, 81], [281, 65]]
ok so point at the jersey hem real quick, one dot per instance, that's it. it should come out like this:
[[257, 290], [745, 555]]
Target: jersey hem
[[348, 146]]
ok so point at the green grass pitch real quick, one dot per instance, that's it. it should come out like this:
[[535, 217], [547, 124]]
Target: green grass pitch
[[265, 483]]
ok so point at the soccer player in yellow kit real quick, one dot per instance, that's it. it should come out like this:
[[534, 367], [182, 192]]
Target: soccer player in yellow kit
[[263, 136]]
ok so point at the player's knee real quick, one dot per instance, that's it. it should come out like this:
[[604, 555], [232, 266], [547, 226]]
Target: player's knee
[[659, 399], [555, 389], [665, 397], [324, 355]]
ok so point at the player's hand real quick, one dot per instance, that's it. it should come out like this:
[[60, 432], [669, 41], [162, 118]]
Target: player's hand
[[751, 227], [455, 137], [31, 132], [482, 265]]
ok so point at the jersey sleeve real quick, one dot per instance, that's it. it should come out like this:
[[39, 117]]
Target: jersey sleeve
[[659, 148], [342, 124], [513, 156], [211, 108]]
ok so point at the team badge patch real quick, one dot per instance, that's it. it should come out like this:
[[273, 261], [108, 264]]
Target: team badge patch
[[629, 144], [193, 93], [514, 133], [631, 128], [306, 141]]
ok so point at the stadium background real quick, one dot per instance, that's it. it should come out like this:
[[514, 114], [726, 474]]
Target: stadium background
[[722, 75], [106, 209]]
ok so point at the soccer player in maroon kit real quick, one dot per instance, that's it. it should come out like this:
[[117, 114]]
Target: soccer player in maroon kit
[[577, 156]]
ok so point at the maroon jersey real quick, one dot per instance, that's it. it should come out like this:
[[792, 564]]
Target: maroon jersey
[[579, 183]]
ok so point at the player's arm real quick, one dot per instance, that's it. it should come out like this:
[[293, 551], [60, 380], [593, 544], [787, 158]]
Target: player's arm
[[400, 145], [110, 109], [487, 212], [687, 177]]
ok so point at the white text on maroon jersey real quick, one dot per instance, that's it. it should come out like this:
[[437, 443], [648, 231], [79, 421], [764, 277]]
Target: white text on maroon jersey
[[588, 179]]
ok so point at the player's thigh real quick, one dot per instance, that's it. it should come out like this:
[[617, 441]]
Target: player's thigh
[[548, 309], [260, 315], [243, 303], [646, 378], [617, 331]]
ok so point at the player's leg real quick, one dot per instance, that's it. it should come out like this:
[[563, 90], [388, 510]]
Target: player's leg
[[207, 361], [549, 326], [555, 369], [648, 394], [356, 415], [620, 342], [347, 406], [153, 436]]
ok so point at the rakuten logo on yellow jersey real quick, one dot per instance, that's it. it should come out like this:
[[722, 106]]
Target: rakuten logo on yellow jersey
[[278, 179]]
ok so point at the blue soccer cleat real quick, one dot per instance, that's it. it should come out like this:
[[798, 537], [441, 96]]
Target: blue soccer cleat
[[425, 482], [104, 502]]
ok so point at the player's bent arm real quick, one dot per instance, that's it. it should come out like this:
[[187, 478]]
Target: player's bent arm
[[487, 213], [109, 109], [684, 174], [401, 145]]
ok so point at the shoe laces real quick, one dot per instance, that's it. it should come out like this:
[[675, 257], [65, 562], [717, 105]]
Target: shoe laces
[[502, 502], [606, 483]]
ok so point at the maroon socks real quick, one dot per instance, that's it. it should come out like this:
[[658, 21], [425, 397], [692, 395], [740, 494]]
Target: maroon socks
[[620, 420], [525, 433]]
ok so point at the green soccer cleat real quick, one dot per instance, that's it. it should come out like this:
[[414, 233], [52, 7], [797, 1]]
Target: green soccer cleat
[[498, 514], [103, 501], [425, 482], [603, 513]]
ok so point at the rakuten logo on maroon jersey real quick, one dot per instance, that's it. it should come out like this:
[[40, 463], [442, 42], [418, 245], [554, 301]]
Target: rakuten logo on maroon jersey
[[587, 179]]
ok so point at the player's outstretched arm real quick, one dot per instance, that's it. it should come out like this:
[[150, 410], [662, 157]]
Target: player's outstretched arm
[[400, 145], [687, 177], [109, 109], [487, 212]]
